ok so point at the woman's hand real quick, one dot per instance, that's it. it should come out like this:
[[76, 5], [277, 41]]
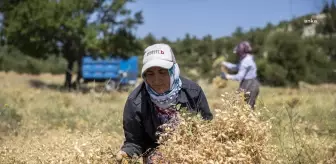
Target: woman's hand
[[224, 69], [223, 76], [155, 157], [120, 156]]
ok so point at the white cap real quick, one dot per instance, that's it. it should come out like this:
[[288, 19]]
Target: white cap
[[160, 55]]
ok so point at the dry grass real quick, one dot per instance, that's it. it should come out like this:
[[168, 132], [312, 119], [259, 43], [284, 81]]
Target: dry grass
[[42, 124], [236, 135], [218, 82], [60, 146], [55, 126]]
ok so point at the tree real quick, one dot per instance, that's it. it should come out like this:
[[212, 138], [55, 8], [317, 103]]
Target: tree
[[229, 46], [320, 67], [325, 8], [286, 52], [187, 44], [256, 39], [39, 28], [328, 28], [238, 32], [219, 46], [187, 56], [165, 40], [149, 40]]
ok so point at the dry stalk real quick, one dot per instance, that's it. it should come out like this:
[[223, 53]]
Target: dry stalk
[[236, 135]]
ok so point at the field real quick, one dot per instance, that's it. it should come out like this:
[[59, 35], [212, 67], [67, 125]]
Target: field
[[40, 123]]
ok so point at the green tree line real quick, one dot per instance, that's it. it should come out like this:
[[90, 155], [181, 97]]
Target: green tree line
[[285, 53], [51, 36]]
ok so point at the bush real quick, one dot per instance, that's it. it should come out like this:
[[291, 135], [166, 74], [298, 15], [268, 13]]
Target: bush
[[9, 119], [287, 50], [13, 60], [275, 74]]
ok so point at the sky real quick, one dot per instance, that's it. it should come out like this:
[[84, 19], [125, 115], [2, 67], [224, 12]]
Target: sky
[[174, 18]]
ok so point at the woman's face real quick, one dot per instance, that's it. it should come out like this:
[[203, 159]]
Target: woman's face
[[158, 79]]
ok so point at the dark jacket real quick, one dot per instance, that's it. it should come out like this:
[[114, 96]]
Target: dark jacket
[[140, 121]]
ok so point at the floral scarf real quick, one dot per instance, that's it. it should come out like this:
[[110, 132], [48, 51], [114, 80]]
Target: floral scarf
[[169, 98], [164, 104]]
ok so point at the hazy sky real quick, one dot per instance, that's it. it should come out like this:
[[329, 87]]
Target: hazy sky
[[174, 18]]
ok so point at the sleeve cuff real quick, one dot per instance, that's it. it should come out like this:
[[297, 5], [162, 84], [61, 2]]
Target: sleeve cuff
[[132, 149]]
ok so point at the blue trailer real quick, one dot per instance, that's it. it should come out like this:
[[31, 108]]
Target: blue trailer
[[114, 71]]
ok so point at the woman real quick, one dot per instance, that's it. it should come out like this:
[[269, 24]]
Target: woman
[[247, 72], [153, 102]]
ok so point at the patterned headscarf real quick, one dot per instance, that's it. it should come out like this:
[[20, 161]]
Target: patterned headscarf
[[169, 98], [242, 49]]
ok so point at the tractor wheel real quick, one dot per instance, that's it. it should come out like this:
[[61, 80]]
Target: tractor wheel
[[110, 85]]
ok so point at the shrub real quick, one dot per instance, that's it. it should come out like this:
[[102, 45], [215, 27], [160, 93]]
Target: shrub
[[9, 119], [13, 60]]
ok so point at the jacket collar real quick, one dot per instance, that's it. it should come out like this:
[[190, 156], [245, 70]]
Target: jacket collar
[[182, 98]]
